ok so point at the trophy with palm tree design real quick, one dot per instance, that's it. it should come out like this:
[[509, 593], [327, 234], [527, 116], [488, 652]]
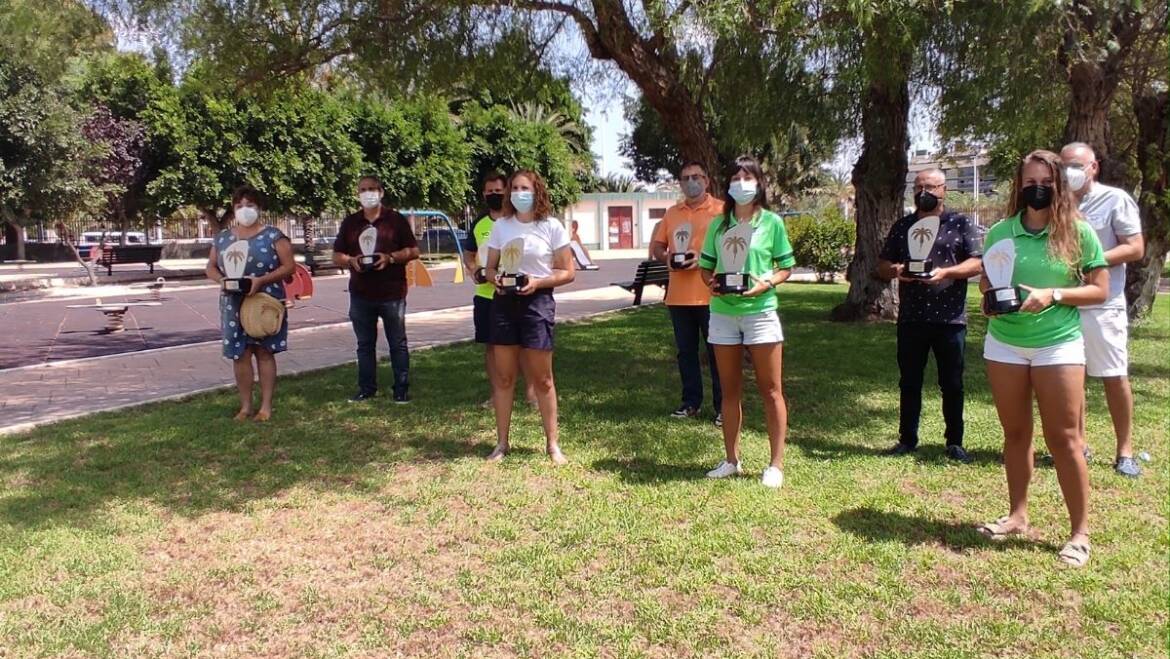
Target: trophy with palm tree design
[[367, 242], [235, 261], [733, 253], [511, 279], [681, 242], [999, 262], [920, 238]]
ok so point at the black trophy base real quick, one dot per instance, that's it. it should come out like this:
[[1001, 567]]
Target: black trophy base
[[367, 261], [479, 276], [678, 260], [511, 284], [732, 282], [239, 286], [916, 269], [1002, 300]]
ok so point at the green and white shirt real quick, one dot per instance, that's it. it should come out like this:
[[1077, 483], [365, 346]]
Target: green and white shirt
[[1035, 267], [769, 251], [476, 243]]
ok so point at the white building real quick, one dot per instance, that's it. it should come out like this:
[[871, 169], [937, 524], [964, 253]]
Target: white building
[[619, 220], [963, 170]]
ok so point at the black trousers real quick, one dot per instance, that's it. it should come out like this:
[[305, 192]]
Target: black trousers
[[915, 343]]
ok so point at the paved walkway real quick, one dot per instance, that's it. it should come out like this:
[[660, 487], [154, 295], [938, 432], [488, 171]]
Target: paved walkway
[[41, 394]]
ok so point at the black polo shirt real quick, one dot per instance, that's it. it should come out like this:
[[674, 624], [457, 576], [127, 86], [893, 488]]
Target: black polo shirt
[[394, 233], [945, 302]]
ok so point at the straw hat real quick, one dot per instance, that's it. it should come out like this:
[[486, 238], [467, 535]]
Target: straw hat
[[261, 315]]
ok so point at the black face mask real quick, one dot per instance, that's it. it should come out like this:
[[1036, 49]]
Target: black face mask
[[925, 201], [495, 201], [1037, 197]]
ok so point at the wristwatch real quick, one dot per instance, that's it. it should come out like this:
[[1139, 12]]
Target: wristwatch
[[1057, 296]]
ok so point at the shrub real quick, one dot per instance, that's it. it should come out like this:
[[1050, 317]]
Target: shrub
[[823, 243]]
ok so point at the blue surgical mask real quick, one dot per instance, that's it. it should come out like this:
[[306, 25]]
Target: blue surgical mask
[[522, 200], [743, 192], [692, 188]]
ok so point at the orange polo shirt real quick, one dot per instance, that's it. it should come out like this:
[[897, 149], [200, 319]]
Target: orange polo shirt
[[686, 286]]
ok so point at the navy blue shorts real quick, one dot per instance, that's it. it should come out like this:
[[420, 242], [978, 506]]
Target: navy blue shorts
[[524, 320], [481, 315]]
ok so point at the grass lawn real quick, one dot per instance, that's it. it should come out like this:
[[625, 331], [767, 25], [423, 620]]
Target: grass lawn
[[370, 530]]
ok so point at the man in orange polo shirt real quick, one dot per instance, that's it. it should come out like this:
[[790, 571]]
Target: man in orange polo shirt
[[687, 297]]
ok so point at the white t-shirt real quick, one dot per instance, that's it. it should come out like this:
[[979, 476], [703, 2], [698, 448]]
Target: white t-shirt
[[541, 239], [1112, 214]]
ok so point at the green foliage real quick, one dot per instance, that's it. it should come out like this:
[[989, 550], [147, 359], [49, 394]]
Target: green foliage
[[822, 242], [42, 151], [416, 148], [504, 142], [46, 35]]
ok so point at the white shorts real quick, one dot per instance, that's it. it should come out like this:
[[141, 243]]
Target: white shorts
[[1069, 353], [1106, 342], [752, 329]]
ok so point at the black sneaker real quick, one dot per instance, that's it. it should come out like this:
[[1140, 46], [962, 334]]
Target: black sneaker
[[362, 395], [956, 452], [719, 420], [402, 398], [901, 449], [684, 412]]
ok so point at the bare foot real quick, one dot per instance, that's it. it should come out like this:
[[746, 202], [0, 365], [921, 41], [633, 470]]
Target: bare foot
[[262, 416], [243, 415], [558, 458], [497, 454]]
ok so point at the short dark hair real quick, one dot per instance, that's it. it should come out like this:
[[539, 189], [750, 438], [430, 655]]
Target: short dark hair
[[251, 194], [491, 177], [693, 163], [751, 166], [374, 178]]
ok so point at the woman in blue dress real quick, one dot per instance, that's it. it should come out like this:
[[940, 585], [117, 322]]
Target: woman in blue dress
[[270, 261]]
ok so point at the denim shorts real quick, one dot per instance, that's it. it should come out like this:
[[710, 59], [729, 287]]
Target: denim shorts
[[524, 320]]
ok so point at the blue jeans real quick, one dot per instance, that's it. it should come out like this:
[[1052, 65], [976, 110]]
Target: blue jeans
[[690, 333], [915, 343], [364, 315]]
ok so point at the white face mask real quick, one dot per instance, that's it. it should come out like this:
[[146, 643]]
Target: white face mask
[[246, 216], [522, 200], [1076, 178], [743, 192], [370, 199]]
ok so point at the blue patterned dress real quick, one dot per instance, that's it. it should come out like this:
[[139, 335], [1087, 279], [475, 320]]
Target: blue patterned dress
[[262, 259]]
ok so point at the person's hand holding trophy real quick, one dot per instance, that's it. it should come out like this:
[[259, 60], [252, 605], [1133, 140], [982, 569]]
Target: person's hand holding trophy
[[479, 276], [511, 281], [235, 261], [733, 253], [999, 262], [920, 239], [681, 258]]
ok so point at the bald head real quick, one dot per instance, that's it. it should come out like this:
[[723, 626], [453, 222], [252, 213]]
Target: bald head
[[929, 178]]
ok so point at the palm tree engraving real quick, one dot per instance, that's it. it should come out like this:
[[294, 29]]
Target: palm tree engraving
[[234, 257], [511, 256], [922, 234], [735, 245], [1000, 261], [682, 236]]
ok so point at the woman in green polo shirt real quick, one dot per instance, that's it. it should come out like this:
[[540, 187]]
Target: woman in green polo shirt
[[1038, 349], [749, 318]]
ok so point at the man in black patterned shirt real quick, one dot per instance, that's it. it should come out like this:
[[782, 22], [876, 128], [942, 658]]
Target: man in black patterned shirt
[[932, 313]]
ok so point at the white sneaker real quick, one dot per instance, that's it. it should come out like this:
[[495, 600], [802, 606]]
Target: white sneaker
[[725, 469], [773, 477]]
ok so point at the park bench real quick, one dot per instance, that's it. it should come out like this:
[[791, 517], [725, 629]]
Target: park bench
[[118, 254], [647, 273], [321, 259]]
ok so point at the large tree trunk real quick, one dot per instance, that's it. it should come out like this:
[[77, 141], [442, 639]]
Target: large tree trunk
[[879, 179], [1141, 280], [1093, 78], [309, 229]]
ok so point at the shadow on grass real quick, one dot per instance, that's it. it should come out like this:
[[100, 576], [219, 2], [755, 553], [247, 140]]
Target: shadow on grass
[[640, 471], [883, 526]]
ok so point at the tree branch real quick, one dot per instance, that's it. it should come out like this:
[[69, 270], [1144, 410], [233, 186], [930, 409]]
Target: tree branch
[[588, 30]]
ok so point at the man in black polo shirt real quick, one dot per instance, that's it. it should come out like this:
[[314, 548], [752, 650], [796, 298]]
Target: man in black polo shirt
[[932, 314], [378, 291]]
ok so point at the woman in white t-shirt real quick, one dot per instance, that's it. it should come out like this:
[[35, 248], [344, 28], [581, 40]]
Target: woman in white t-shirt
[[523, 314]]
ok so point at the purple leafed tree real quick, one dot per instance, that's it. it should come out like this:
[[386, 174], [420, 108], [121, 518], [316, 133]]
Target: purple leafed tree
[[118, 169]]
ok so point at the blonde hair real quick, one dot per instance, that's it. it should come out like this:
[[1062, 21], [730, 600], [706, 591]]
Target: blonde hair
[[1064, 237]]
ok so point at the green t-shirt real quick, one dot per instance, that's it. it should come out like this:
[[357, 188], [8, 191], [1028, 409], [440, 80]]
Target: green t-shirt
[[479, 238], [769, 250], [1035, 267]]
